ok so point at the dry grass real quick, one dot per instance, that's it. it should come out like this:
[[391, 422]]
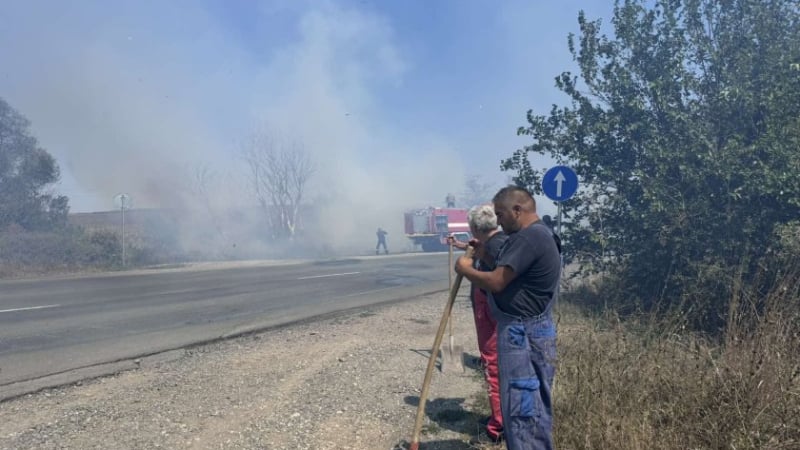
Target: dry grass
[[650, 384]]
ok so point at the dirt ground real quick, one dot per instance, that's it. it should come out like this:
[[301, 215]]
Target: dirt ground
[[348, 382]]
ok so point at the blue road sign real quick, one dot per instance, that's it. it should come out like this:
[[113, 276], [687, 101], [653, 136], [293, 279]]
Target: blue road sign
[[560, 183]]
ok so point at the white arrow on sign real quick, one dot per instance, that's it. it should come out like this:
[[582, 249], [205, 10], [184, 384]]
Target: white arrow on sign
[[559, 179]]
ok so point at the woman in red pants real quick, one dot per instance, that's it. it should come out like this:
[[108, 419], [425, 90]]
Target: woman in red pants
[[488, 242]]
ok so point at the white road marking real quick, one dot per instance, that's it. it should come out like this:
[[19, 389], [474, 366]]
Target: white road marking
[[28, 308], [329, 275]]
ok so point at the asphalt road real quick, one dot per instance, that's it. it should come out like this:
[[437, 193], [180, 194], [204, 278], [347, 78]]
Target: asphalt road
[[55, 326]]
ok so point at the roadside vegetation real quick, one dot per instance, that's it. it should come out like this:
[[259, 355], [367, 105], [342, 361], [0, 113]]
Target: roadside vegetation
[[39, 235], [646, 381], [681, 327]]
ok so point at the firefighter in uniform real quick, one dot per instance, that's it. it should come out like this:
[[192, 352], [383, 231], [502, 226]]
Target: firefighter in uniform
[[381, 234]]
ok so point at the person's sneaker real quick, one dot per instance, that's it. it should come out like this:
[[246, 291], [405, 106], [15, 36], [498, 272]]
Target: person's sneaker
[[483, 439], [497, 439], [484, 423]]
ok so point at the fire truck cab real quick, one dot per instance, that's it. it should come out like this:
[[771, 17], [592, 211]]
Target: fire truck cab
[[429, 227]]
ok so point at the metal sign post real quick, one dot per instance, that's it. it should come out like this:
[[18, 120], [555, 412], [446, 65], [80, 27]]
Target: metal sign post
[[558, 218], [123, 235], [124, 202]]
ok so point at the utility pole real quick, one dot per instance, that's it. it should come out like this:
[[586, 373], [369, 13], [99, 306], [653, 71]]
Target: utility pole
[[124, 202]]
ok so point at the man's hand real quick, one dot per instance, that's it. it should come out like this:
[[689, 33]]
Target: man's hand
[[480, 250], [463, 264]]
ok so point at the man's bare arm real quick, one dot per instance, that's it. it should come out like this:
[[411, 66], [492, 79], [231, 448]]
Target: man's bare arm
[[494, 281], [456, 243]]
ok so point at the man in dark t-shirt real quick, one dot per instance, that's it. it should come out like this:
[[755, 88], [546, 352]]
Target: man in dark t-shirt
[[525, 286], [531, 253]]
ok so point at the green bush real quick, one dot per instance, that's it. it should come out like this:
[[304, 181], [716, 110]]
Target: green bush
[[69, 249], [100, 248]]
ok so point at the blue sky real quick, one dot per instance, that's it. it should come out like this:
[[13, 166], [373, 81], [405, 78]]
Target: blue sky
[[397, 100]]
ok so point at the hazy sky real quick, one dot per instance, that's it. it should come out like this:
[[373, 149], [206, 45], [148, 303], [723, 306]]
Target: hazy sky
[[396, 99]]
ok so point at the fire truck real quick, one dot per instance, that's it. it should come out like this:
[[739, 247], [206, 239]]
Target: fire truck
[[429, 227]]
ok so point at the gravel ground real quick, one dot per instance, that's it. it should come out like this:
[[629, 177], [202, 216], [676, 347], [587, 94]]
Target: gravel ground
[[348, 382]]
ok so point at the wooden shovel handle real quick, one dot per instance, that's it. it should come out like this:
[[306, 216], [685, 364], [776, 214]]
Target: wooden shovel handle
[[423, 396]]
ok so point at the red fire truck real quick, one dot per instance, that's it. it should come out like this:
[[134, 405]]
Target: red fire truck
[[429, 227]]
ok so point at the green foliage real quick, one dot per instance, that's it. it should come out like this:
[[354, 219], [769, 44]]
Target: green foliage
[[70, 249], [684, 128], [64, 249], [26, 171], [101, 248]]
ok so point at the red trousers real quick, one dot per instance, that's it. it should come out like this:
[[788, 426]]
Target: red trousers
[[487, 345]]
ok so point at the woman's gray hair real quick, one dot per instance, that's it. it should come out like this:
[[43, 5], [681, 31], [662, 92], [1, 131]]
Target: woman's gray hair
[[482, 218]]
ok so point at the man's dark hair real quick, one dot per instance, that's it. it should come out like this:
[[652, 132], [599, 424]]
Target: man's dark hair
[[511, 192]]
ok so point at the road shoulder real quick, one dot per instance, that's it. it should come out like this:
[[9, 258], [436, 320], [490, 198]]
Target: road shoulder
[[351, 381]]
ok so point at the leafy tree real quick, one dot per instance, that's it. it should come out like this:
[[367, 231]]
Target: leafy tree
[[27, 171], [684, 127]]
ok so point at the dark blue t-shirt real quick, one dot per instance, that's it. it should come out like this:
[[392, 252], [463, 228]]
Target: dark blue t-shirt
[[492, 248], [533, 255]]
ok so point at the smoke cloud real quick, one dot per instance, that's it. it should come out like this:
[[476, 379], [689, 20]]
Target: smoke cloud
[[133, 97]]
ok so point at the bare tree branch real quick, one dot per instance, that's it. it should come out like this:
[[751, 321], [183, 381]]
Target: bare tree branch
[[203, 182], [279, 173], [476, 192]]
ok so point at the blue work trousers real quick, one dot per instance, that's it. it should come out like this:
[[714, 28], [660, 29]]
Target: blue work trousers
[[526, 349]]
